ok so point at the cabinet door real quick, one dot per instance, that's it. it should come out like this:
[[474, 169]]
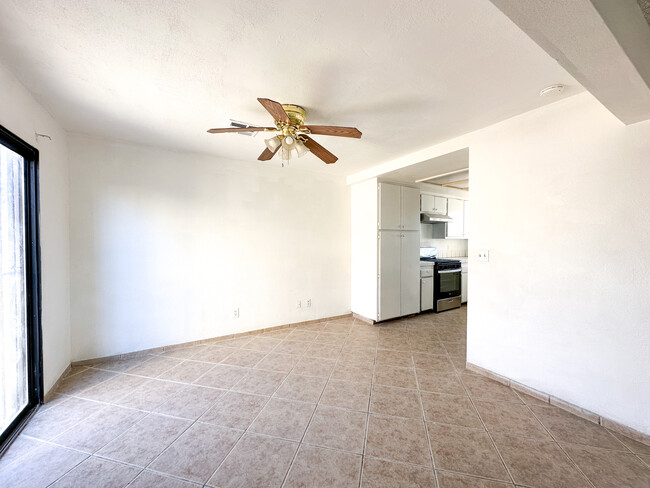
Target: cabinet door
[[410, 208], [389, 206], [465, 218], [440, 205], [410, 273], [455, 210], [427, 203], [389, 274]]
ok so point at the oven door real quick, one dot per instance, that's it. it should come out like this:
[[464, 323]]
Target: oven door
[[448, 283]]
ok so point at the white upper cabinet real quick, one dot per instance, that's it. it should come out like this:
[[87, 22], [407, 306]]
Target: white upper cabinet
[[398, 207], [390, 209], [455, 228], [410, 209], [433, 204]]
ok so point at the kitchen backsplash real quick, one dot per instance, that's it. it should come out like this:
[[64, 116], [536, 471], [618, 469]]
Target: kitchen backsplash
[[447, 248]]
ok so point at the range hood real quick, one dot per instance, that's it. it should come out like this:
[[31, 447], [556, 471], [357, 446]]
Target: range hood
[[429, 218]]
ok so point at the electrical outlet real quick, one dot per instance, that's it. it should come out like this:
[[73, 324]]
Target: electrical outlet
[[298, 304], [235, 314], [483, 255], [308, 302]]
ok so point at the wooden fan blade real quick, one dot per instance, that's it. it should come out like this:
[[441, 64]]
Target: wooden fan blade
[[275, 109], [268, 154], [331, 130], [240, 129], [319, 151]]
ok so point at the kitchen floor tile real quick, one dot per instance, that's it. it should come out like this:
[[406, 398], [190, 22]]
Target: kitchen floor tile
[[283, 418], [510, 419], [255, 462], [154, 366], [450, 409], [104, 473], [398, 402], [346, 394], [351, 371], [186, 372], [235, 410], [244, 358], [49, 423], [150, 395], [377, 473], [337, 428], [40, 467], [307, 366], [398, 439], [148, 479], [465, 450], [395, 376], [197, 453], [222, 376], [437, 382], [302, 388], [278, 362], [454, 480], [212, 354], [315, 467], [482, 388], [260, 382], [190, 402]]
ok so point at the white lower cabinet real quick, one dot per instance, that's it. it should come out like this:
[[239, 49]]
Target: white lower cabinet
[[399, 274]]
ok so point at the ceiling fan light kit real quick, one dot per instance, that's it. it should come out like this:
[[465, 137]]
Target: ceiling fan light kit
[[293, 134]]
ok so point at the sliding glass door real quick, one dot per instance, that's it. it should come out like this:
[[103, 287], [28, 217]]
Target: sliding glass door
[[20, 349]]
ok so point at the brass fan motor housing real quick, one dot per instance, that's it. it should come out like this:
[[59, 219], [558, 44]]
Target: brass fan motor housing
[[295, 113]]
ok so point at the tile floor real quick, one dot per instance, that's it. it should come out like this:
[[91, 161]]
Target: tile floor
[[333, 404]]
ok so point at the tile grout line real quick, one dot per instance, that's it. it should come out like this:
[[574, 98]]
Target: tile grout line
[[365, 435]]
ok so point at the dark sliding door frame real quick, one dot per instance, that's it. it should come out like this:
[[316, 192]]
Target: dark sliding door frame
[[33, 272]]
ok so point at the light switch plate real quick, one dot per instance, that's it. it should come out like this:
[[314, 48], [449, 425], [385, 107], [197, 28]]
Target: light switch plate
[[483, 255]]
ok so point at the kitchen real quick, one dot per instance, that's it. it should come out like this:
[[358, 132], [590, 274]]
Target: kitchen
[[410, 243]]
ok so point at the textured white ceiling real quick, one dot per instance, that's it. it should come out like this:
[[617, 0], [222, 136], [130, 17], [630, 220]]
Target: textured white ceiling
[[161, 72]]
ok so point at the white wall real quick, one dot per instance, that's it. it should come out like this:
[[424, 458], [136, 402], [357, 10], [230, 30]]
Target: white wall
[[166, 245], [22, 115], [564, 303]]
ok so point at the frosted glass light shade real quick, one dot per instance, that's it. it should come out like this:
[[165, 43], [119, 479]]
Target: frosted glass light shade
[[301, 149], [273, 143], [285, 154]]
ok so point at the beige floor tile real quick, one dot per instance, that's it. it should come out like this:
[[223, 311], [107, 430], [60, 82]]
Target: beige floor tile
[[190, 402], [183, 352], [427, 346], [394, 358], [51, 422], [150, 395], [120, 365], [255, 462], [222, 376], [346, 394], [538, 463], [303, 388], [454, 480], [237, 342], [278, 362], [235, 410], [352, 371], [110, 390], [337, 428], [40, 467], [315, 467], [325, 351], [607, 468], [148, 479], [186, 372], [145, 440], [154, 366], [455, 348], [303, 335], [261, 343], [328, 337], [20, 446], [437, 382], [244, 358], [395, 376], [385, 474], [510, 419], [465, 450], [450, 409], [633, 445], [283, 418], [338, 327], [482, 388], [398, 439], [399, 402], [213, 354], [79, 382], [260, 382], [395, 344], [531, 401], [94, 432], [291, 347], [104, 473], [197, 453], [433, 363], [566, 427], [307, 366]]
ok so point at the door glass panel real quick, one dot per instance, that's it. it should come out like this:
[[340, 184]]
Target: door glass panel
[[14, 376]]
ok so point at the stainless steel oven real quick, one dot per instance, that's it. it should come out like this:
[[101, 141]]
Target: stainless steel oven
[[447, 289]]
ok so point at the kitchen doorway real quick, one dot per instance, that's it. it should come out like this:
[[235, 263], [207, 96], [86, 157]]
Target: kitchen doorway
[[21, 387]]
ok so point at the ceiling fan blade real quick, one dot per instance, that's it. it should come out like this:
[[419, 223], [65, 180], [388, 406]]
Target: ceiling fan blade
[[319, 151], [240, 129], [268, 154], [275, 109], [331, 130]]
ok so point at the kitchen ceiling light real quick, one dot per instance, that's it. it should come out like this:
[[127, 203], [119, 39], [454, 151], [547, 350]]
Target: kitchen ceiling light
[[301, 149], [273, 143]]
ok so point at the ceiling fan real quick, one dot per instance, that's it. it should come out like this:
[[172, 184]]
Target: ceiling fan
[[293, 134]]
